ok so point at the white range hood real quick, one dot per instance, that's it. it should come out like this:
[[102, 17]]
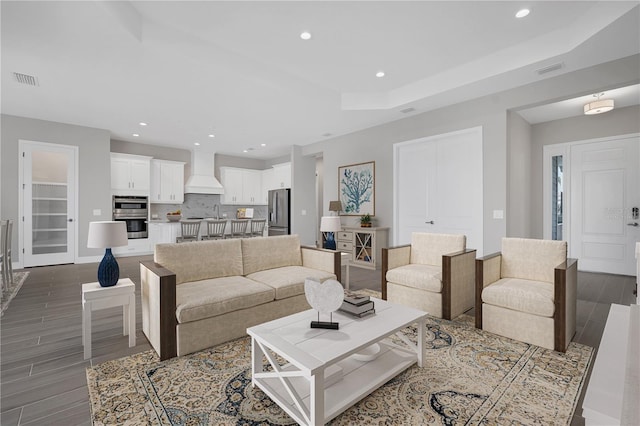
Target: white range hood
[[202, 179]]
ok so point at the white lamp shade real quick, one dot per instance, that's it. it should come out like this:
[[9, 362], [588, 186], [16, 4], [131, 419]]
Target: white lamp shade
[[330, 224], [107, 234], [599, 106]]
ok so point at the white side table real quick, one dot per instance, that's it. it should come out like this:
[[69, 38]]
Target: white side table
[[95, 297]]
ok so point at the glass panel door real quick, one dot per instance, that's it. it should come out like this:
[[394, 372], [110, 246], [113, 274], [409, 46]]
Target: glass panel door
[[557, 197], [49, 180]]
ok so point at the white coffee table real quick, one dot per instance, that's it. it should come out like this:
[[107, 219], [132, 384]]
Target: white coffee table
[[323, 377]]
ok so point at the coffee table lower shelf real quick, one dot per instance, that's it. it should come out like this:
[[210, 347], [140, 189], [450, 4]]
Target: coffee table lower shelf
[[358, 379]]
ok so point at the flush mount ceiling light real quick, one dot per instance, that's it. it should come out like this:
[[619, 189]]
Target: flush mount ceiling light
[[380, 74], [522, 13], [306, 35], [135, 135], [142, 123], [196, 143], [598, 106], [212, 136], [263, 144]]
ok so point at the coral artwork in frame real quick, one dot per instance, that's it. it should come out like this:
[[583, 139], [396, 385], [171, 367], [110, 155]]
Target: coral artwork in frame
[[357, 189]]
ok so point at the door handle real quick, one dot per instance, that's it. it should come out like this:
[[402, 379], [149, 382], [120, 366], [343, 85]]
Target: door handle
[[430, 222], [69, 220], [633, 224]]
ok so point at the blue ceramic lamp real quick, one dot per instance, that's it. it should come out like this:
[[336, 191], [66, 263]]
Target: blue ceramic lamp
[[107, 234]]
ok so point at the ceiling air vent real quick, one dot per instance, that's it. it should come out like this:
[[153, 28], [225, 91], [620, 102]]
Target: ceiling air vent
[[407, 110], [26, 79], [550, 68]]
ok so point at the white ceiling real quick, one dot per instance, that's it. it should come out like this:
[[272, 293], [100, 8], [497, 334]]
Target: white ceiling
[[239, 70]]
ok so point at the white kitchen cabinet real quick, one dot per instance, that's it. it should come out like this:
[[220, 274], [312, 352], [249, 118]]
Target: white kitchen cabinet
[[241, 186], [130, 174], [268, 183], [167, 182], [163, 232], [282, 176]]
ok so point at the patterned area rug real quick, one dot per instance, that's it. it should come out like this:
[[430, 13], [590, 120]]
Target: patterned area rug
[[7, 296], [470, 377]]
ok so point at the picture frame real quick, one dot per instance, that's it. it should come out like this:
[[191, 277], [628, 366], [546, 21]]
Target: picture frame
[[357, 189]]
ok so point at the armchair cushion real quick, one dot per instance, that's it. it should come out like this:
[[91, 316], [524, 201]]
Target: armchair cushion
[[532, 259], [533, 297], [427, 249], [421, 277]]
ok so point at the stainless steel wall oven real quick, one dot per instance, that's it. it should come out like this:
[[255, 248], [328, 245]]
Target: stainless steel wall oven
[[132, 210]]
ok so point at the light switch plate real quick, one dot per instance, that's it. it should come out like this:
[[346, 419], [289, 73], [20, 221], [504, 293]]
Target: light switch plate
[[97, 212], [304, 212], [498, 214]]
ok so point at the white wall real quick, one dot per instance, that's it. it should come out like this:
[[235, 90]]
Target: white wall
[[303, 197], [94, 174], [518, 177]]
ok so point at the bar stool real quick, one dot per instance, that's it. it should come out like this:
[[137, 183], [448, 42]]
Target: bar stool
[[238, 228], [190, 230], [215, 229], [257, 227]]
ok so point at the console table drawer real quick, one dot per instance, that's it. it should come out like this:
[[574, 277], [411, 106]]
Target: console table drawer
[[345, 236], [344, 246]]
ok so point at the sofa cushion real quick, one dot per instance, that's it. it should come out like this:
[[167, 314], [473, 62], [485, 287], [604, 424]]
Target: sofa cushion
[[533, 297], [531, 259], [421, 277], [288, 281], [209, 298], [263, 253], [427, 249], [201, 260]]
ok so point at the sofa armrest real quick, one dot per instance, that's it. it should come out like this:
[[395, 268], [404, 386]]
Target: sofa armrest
[[393, 257], [158, 297], [487, 272], [323, 260], [565, 299], [458, 282]]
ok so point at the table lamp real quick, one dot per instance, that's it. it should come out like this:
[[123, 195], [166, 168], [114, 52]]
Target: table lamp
[[107, 234], [329, 225]]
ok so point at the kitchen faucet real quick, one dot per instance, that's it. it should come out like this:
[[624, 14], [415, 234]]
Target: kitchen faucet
[[216, 210]]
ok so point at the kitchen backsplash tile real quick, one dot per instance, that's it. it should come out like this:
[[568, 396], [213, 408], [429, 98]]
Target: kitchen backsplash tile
[[203, 205]]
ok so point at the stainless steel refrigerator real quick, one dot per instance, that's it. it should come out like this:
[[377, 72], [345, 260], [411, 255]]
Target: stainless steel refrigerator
[[279, 217]]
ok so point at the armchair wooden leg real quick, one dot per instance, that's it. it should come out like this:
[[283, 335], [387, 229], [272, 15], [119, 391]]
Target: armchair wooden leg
[[479, 288]]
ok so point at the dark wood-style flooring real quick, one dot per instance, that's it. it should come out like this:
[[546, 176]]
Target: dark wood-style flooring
[[42, 370]]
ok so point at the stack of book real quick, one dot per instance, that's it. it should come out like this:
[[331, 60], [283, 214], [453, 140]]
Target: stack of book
[[357, 305]]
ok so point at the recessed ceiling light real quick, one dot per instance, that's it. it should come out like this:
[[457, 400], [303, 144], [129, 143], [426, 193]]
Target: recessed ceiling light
[[196, 143], [212, 136], [136, 135], [380, 74], [522, 13], [142, 123], [244, 150], [263, 144], [306, 35]]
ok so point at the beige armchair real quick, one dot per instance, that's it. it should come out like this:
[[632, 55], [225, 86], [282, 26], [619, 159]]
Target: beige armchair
[[435, 273], [527, 292]]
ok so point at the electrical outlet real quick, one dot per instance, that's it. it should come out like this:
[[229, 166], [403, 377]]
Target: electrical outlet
[[498, 214], [97, 212]]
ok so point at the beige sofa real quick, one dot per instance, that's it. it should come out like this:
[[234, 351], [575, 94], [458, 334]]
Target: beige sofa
[[435, 274], [201, 294]]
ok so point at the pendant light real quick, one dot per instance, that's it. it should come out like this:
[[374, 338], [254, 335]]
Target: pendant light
[[598, 106]]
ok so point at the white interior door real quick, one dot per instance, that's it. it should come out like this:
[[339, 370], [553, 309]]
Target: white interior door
[[438, 187], [604, 190], [48, 203]]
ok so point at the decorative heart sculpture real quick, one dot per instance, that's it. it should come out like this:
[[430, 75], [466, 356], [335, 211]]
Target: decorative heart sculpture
[[324, 297]]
